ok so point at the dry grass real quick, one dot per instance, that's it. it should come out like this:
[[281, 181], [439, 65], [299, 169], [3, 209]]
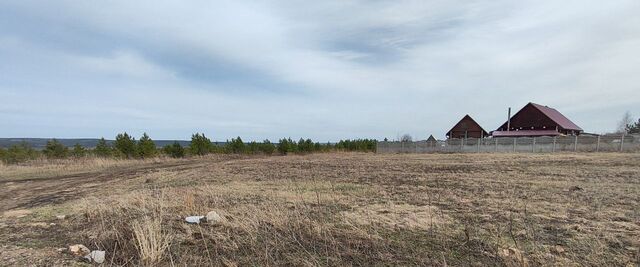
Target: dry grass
[[59, 167], [356, 209]]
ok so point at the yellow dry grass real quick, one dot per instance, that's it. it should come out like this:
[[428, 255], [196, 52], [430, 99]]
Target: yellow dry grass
[[357, 209]]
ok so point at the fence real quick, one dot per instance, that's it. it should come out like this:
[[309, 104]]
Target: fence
[[619, 143]]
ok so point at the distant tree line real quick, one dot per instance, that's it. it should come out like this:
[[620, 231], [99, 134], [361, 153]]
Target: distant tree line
[[126, 146]]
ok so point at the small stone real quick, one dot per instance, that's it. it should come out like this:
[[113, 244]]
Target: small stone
[[213, 218], [61, 217], [61, 250], [97, 256], [79, 250], [559, 249], [52, 224]]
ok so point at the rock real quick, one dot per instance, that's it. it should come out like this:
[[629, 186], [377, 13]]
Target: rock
[[61, 250], [79, 250], [96, 256], [194, 219], [61, 217], [559, 249], [213, 218]]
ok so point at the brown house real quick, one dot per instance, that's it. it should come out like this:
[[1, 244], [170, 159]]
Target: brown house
[[537, 120], [467, 128]]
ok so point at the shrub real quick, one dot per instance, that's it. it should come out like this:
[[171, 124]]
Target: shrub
[[102, 148], [20, 153], [174, 150], [78, 151], [236, 146], [55, 150], [286, 146], [146, 147], [125, 145], [267, 147], [3, 154], [200, 144], [253, 148]]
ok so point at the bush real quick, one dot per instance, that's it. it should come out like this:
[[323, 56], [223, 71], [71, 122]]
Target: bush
[[102, 148], [253, 148], [20, 153], [125, 145], [55, 150], [78, 151], [3, 154], [200, 145], [286, 146], [267, 147], [146, 147], [174, 150], [362, 145], [236, 146]]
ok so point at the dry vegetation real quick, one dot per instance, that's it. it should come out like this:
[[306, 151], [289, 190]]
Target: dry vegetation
[[330, 209]]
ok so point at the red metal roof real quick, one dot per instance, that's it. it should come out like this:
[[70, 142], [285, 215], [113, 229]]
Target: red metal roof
[[524, 133], [556, 116]]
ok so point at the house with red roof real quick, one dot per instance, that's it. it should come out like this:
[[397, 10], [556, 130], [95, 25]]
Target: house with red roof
[[467, 127], [537, 120]]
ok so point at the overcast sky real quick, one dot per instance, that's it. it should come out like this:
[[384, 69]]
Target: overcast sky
[[326, 70]]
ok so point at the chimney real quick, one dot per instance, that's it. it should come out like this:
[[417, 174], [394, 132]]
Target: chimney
[[509, 120]]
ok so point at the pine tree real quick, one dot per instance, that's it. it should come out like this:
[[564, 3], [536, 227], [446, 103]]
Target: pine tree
[[125, 145], [200, 144], [102, 148], [55, 150], [146, 147], [174, 150], [267, 147], [78, 151]]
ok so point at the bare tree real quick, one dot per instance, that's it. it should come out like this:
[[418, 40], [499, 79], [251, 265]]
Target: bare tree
[[406, 138], [624, 122]]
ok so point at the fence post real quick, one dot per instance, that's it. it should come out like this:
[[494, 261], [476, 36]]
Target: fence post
[[533, 145], [514, 144], [553, 150], [478, 145], [575, 144], [598, 144], [622, 143]]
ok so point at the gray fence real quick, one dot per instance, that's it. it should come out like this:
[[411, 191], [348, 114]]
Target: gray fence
[[619, 143]]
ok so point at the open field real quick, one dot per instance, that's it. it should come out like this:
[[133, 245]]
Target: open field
[[329, 209]]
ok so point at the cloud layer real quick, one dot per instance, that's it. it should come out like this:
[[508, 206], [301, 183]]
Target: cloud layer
[[322, 69]]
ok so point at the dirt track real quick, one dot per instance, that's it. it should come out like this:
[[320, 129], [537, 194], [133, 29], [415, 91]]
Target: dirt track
[[34, 192]]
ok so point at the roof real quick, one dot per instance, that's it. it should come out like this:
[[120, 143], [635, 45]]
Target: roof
[[557, 117], [524, 133], [472, 120]]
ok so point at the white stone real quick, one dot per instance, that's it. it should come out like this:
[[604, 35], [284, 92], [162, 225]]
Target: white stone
[[213, 217], [61, 217], [97, 256]]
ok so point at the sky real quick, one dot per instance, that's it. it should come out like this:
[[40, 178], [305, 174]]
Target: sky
[[326, 70]]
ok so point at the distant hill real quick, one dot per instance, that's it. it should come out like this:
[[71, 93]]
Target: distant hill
[[40, 143]]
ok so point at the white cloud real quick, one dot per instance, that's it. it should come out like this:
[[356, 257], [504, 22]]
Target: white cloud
[[324, 69]]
